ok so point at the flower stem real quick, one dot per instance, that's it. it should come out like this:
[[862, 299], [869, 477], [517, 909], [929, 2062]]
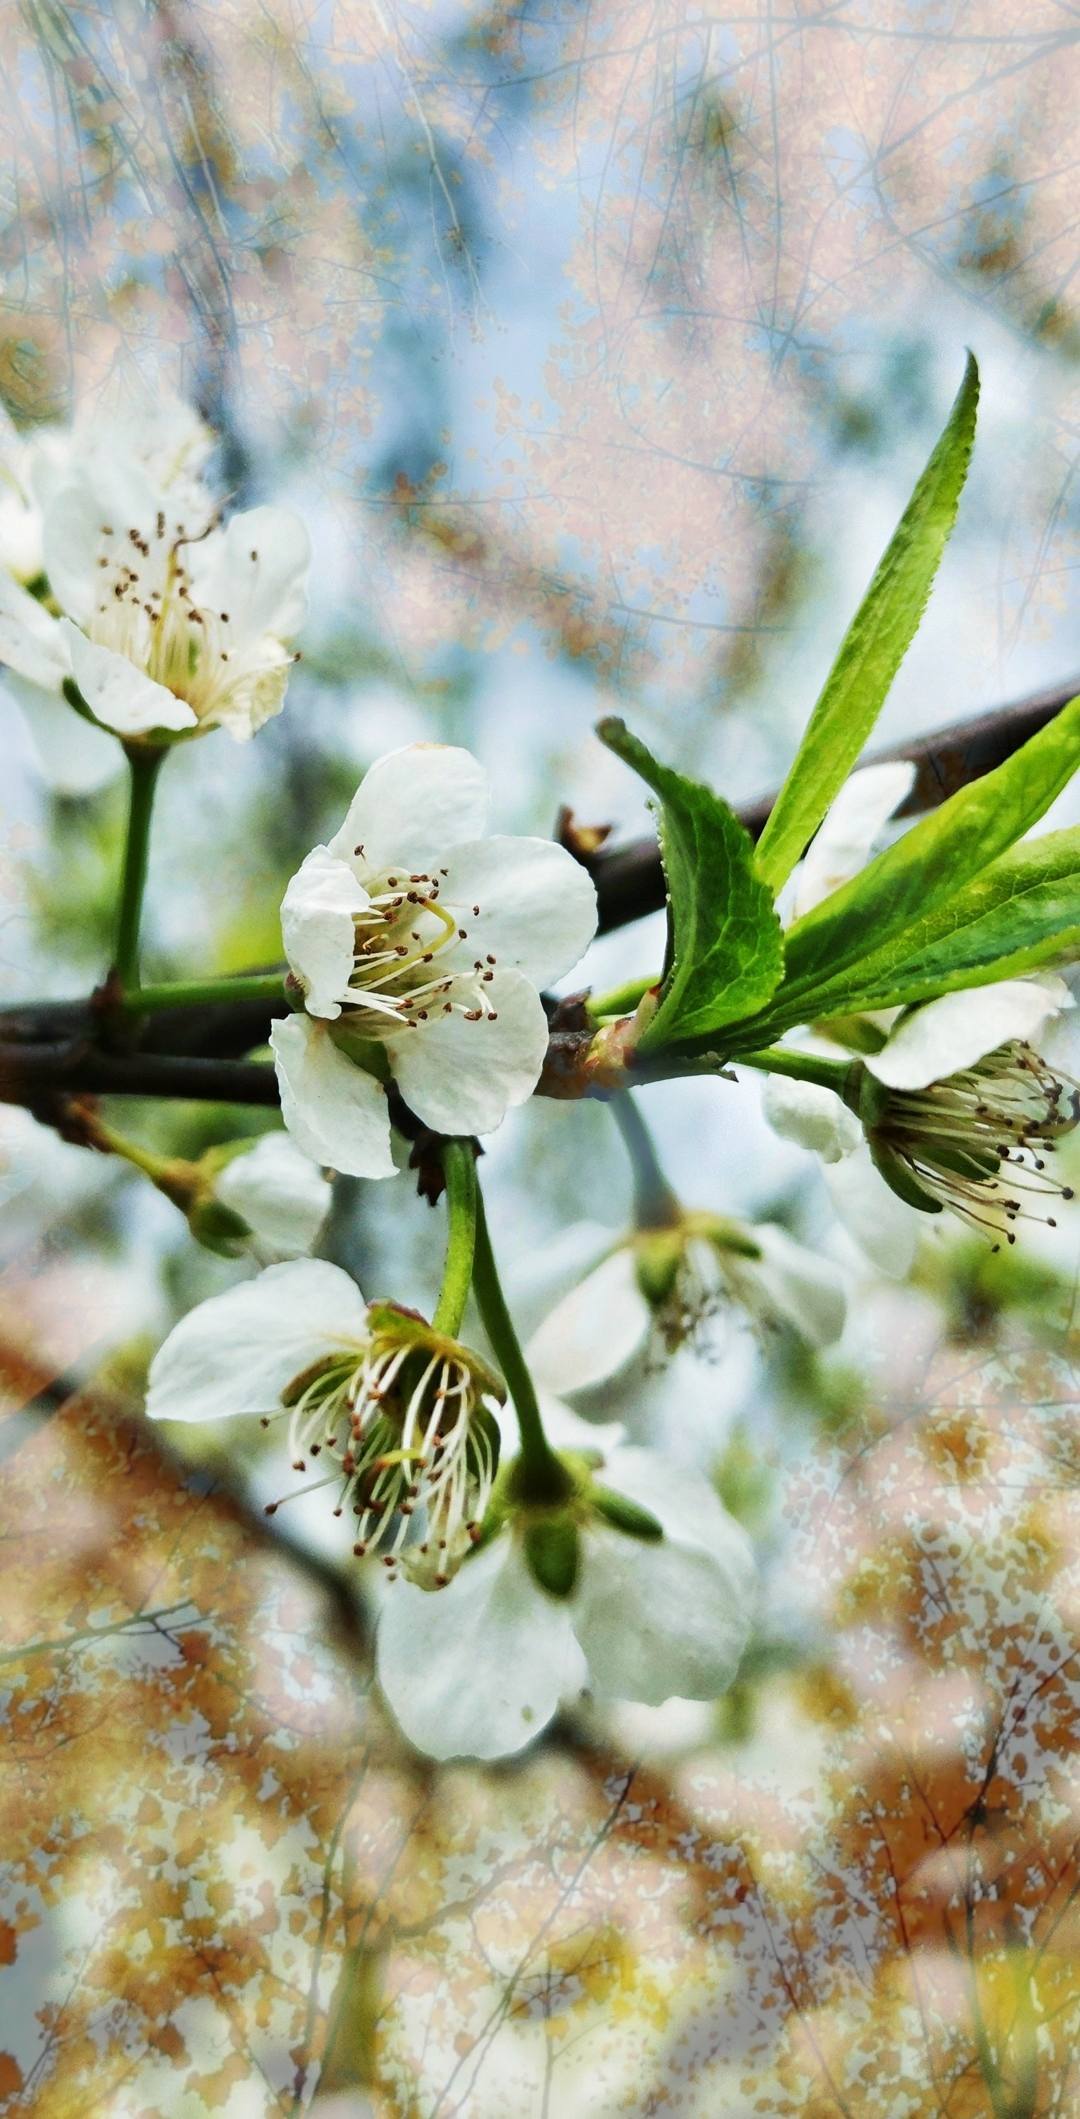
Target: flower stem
[[171, 1174], [144, 764], [622, 1000], [800, 1066], [183, 993], [459, 1170], [656, 1206], [543, 1477]]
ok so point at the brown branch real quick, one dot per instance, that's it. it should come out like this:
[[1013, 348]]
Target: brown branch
[[49, 1048]]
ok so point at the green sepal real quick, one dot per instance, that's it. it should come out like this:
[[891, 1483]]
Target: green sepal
[[657, 1257], [553, 1553], [873, 647], [218, 1228], [365, 1052], [900, 1178], [625, 1515], [390, 1320], [725, 948]]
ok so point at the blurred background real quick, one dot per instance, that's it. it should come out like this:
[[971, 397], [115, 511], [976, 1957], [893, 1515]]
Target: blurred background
[[599, 346]]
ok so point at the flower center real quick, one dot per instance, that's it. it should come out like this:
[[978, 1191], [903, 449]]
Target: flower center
[[413, 1448], [979, 1141], [412, 963], [146, 609]]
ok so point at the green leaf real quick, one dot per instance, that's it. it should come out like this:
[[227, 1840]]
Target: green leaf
[[923, 873], [1020, 915], [873, 647], [726, 949]]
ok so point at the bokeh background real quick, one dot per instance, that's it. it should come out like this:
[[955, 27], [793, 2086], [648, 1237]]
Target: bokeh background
[[599, 343]]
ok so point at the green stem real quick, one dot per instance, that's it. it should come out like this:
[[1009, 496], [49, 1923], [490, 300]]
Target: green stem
[[459, 1170], [112, 1143], [800, 1066], [544, 1478], [144, 765], [184, 993], [656, 1206], [622, 1000]]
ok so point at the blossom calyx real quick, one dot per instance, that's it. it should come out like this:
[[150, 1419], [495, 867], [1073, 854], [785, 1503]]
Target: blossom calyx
[[977, 1140], [552, 1523]]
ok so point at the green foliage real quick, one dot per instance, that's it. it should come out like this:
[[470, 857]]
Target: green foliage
[[726, 953], [1023, 913], [873, 647], [942, 908]]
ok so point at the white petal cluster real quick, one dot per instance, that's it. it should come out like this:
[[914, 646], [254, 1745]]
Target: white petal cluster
[[400, 1414], [165, 618], [279, 1193], [652, 1291], [473, 1655], [968, 1117], [479, 1670], [976, 1111], [414, 934]]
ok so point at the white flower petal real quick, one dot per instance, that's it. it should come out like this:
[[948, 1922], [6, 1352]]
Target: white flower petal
[[475, 1670], [667, 1618], [952, 1033], [537, 904], [463, 1077], [317, 914], [31, 641], [594, 1331], [849, 831], [122, 697], [335, 1111], [256, 570], [236, 1352], [411, 806], [883, 1225], [75, 757], [105, 492], [566, 1429], [280, 1193], [812, 1116], [791, 1283]]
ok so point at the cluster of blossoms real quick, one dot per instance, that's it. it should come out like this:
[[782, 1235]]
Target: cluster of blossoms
[[532, 1561], [631, 1581], [123, 592]]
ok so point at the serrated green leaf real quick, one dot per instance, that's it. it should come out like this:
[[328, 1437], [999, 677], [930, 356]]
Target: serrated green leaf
[[873, 647], [727, 951], [924, 872], [1020, 915]]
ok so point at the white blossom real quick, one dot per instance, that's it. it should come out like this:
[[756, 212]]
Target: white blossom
[[163, 618], [851, 830], [956, 1110], [478, 1670], [426, 942], [653, 1290], [401, 1414], [279, 1193]]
